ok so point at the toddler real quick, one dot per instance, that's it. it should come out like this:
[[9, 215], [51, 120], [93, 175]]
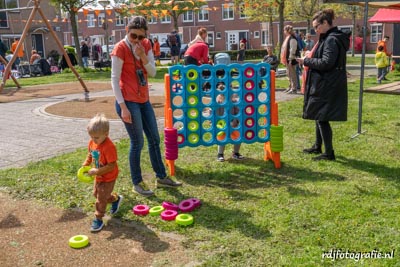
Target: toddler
[[102, 156]]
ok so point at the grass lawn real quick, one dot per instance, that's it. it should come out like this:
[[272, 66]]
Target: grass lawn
[[253, 214]]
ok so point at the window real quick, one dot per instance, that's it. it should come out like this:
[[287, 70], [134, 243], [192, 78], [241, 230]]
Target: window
[[376, 33], [119, 20], [152, 20], [265, 40], [100, 19], [256, 34], [203, 13], [188, 16], [227, 12], [90, 20], [218, 35], [166, 19], [242, 9], [4, 4], [210, 39]]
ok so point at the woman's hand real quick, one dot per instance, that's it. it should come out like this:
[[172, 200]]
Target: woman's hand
[[125, 113]]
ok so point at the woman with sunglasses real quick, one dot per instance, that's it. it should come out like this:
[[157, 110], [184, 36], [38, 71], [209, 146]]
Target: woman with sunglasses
[[132, 61], [325, 96]]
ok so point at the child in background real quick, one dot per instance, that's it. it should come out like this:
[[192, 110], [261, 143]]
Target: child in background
[[381, 62], [103, 155], [234, 123]]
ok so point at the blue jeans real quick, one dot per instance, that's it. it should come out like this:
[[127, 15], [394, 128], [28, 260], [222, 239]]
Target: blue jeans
[[143, 119], [85, 61]]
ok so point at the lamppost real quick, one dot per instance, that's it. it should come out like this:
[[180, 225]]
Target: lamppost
[[104, 4]]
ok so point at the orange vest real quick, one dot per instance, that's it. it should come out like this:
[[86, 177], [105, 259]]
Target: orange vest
[[131, 90]]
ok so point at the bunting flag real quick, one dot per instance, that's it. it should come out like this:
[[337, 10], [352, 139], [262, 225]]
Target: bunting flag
[[109, 12]]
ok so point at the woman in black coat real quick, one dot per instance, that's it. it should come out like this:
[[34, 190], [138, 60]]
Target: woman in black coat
[[325, 96]]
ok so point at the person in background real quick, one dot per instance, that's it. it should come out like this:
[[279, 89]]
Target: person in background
[[85, 54], [197, 54], [381, 62], [309, 42], [174, 43], [271, 58], [35, 57], [383, 43], [288, 58], [325, 96], [132, 61], [156, 51], [241, 53], [3, 49], [102, 156], [234, 123], [201, 36], [20, 52]]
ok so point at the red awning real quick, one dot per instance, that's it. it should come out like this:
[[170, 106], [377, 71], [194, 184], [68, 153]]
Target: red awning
[[386, 16]]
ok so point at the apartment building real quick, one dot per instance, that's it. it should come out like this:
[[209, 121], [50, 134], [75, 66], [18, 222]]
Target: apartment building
[[225, 24], [14, 17]]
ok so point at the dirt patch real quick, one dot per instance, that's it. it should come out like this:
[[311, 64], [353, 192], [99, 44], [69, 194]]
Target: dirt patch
[[79, 108], [37, 235], [47, 90]]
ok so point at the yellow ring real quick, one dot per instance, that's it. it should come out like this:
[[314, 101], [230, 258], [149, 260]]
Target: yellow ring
[[78, 241], [83, 175]]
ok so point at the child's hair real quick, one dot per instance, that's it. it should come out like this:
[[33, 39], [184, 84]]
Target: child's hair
[[380, 48], [98, 124]]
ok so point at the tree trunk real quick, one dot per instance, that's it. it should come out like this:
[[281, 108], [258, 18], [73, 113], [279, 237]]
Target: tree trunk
[[76, 38]]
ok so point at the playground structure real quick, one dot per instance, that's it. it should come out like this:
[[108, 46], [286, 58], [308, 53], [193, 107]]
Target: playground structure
[[36, 8], [222, 104]]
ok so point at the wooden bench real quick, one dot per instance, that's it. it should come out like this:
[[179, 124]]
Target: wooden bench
[[387, 88]]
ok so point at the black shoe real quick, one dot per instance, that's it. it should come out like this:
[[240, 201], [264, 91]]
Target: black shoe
[[325, 157], [312, 150]]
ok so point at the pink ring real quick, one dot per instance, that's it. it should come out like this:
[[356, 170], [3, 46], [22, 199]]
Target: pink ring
[[169, 205], [141, 210], [169, 215], [186, 205], [195, 201]]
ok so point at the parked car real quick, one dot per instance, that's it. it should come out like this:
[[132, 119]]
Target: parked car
[[166, 53]]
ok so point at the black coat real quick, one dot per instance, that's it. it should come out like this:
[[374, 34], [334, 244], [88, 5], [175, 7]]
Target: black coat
[[325, 96]]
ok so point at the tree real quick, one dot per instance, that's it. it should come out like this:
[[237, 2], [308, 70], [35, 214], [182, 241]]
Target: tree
[[71, 7]]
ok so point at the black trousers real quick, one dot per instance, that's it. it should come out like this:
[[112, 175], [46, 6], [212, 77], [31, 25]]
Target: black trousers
[[323, 134], [189, 60]]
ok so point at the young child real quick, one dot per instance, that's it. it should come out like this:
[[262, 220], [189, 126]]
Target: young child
[[234, 123], [103, 157], [381, 63]]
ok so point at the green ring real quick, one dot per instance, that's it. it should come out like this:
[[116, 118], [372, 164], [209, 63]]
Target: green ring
[[195, 75], [193, 138], [184, 219], [192, 90], [156, 210], [78, 241], [193, 126], [193, 110], [195, 100], [83, 175]]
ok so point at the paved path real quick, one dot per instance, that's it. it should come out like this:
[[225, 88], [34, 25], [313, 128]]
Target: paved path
[[29, 134]]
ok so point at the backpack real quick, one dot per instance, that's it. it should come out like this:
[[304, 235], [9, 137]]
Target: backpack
[[172, 40]]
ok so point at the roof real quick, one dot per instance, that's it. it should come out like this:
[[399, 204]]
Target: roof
[[386, 16]]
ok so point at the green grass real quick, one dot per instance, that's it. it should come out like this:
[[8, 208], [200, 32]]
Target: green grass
[[253, 214]]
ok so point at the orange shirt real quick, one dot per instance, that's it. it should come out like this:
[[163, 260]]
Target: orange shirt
[[20, 52], [156, 49], [107, 154], [131, 89]]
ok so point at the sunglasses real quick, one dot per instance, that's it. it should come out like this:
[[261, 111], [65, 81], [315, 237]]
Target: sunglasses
[[135, 36]]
